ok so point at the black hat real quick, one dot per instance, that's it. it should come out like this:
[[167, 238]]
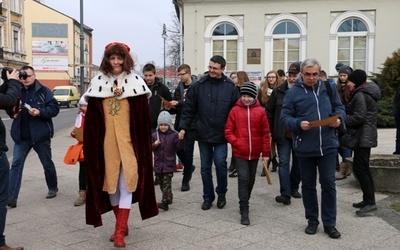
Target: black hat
[[358, 77], [338, 65], [294, 68], [345, 70], [249, 88]]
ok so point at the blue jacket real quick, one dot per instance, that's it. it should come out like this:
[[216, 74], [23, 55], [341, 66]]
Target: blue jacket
[[209, 101], [39, 127], [304, 103]]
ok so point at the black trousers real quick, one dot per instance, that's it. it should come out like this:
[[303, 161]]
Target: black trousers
[[246, 170], [363, 174]]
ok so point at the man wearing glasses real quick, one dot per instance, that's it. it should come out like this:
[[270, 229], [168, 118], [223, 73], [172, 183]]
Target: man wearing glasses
[[315, 146], [33, 128], [208, 103]]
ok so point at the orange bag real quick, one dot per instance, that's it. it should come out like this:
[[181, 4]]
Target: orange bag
[[74, 154]]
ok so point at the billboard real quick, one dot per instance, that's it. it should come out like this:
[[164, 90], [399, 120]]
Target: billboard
[[50, 48], [50, 64]]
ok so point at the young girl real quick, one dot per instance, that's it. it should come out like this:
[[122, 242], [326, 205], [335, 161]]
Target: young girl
[[270, 83], [79, 123], [247, 130], [165, 143]]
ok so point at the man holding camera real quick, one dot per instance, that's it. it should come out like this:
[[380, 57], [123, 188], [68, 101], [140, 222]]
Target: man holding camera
[[33, 128], [9, 93]]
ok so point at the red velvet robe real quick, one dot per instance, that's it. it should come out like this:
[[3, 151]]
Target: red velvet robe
[[98, 201]]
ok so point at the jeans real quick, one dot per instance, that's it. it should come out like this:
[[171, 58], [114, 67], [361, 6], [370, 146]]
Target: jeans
[[289, 179], [4, 171], [326, 169], [345, 153], [186, 155], [217, 153], [363, 173], [21, 150], [246, 170]]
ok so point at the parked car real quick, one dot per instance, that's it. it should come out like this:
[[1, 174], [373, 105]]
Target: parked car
[[66, 95]]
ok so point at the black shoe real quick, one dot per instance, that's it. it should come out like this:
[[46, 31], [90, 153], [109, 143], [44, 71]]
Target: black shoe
[[206, 205], [52, 193], [185, 186], [233, 174], [221, 202], [359, 204], [367, 210], [244, 220], [296, 194], [283, 199], [332, 232], [12, 203], [163, 206], [311, 228]]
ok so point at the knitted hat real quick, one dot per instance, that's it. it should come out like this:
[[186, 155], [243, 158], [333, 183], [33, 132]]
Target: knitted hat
[[345, 70], [82, 101], [165, 118], [358, 77], [338, 65], [249, 88]]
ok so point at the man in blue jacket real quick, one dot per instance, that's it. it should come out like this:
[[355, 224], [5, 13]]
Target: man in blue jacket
[[316, 147], [209, 101], [33, 128]]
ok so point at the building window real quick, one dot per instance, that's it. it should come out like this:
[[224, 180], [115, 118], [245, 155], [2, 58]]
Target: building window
[[286, 45], [352, 43], [15, 39], [15, 6], [224, 43]]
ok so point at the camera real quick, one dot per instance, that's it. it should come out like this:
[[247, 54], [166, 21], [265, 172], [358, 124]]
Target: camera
[[22, 74]]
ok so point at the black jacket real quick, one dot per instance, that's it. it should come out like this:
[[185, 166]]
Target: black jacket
[[157, 89], [179, 96], [362, 113], [9, 93], [209, 102], [274, 107]]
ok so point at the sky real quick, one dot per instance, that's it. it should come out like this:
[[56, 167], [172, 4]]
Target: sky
[[137, 23]]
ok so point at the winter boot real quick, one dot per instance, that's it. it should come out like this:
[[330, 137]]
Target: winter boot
[[348, 169], [115, 210], [81, 199], [342, 174], [274, 164], [121, 227]]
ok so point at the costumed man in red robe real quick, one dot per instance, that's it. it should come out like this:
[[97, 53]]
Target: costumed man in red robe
[[117, 143]]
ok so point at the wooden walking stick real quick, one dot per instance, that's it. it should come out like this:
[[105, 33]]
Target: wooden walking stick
[[267, 176]]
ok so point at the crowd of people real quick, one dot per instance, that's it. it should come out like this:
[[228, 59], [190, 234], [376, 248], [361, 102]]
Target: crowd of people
[[292, 121]]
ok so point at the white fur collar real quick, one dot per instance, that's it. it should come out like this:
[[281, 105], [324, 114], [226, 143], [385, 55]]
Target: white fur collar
[[132, 84]]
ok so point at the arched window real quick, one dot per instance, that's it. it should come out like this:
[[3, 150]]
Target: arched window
[[352, 43], [225, 43], [286, 44]]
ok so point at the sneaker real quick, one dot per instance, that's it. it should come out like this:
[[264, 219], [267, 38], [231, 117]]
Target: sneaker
[[12, 203], [52, 193], [367, 210], [185, 186], [283, 199], [311, 228], [296, 194], [332, 232], [81, 199], [233, 174]]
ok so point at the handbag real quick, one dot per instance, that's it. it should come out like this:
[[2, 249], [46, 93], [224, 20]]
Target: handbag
[[350, 139], [74, 154]]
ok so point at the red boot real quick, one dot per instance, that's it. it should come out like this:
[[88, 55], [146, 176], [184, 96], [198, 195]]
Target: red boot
[[121, 227], [115, 210]]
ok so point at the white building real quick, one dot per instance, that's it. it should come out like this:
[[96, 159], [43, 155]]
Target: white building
[[260, 35]]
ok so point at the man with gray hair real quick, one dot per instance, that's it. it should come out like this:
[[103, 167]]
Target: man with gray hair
[[315, 145]]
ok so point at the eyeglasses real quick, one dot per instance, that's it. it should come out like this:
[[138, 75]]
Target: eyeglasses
[[182, 74], [309, 75], [213, 68], [27, 76]]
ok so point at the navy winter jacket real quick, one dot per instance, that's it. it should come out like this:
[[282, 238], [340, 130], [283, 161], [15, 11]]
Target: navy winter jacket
[[209, 102], [304, 103], [40, 127]]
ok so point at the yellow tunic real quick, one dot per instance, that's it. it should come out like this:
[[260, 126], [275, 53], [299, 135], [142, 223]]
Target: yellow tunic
[[118, 149]]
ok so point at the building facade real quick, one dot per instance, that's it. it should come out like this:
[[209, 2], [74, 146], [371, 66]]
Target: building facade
[[260, 35], [12, 36], [52, 41]]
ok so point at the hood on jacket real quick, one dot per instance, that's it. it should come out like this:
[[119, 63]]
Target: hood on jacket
[[371, 89]]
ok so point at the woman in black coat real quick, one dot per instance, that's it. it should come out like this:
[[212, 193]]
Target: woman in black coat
[[362, 115]]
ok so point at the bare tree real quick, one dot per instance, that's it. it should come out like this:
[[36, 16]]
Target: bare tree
[[173, 42]]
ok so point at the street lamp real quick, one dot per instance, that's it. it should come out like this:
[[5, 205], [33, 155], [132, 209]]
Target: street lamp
[[164, 36]]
